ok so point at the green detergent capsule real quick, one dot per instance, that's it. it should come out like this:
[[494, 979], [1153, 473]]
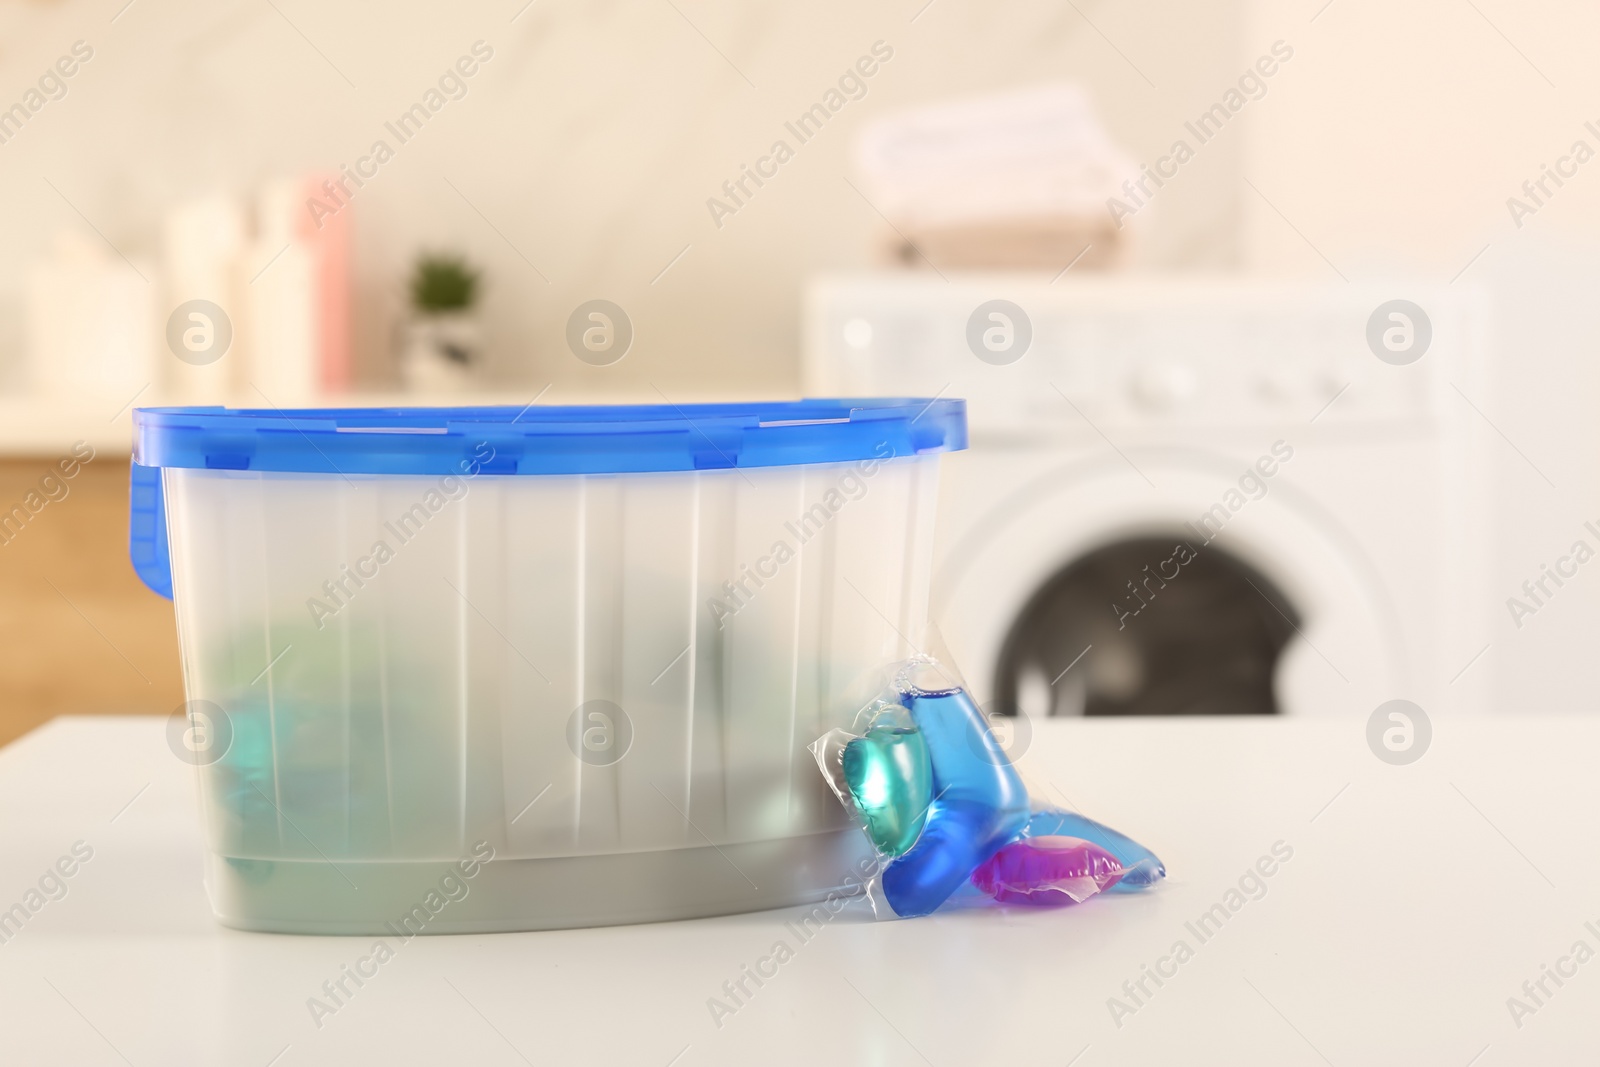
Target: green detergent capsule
[[890, 778]]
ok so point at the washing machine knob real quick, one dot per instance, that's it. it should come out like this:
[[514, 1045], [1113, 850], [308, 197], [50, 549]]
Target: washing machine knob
[[1332, 381], [1279, 384], [1165, 385]]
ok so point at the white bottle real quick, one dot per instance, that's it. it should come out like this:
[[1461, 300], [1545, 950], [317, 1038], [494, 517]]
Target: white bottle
[[91, 324], [282, 311], [204, 240]]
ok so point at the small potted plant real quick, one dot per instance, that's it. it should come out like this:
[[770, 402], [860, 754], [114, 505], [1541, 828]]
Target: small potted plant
[[443, 340]]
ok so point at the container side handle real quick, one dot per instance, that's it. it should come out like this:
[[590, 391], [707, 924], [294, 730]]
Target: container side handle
[[147, 529]]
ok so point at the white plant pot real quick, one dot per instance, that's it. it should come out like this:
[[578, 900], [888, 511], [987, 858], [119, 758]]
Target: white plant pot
[[442, 354]]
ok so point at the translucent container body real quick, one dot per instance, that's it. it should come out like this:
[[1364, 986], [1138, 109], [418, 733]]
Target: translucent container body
[[605, 682]]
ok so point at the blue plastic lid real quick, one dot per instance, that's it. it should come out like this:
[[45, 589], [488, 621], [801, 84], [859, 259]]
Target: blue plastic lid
[[508, 440], [546, 440]]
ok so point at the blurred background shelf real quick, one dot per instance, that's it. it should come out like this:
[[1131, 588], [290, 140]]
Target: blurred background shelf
[[48, 426], [45, 427]]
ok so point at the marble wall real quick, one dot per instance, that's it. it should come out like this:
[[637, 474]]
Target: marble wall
[[580, 159]]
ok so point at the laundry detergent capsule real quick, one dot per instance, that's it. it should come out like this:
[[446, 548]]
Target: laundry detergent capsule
[[1048, 870]]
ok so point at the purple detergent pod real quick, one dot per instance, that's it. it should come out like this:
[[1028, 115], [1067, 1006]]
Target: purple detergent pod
[[1047, 871], [1142, 868]]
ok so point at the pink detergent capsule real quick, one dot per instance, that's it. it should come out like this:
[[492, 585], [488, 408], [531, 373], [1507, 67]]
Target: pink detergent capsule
[[1048, 870]]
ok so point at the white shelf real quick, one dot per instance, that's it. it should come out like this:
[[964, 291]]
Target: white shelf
[[50, 426]]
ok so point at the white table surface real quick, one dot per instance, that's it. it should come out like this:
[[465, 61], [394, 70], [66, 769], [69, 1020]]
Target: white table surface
[[1418, 899]]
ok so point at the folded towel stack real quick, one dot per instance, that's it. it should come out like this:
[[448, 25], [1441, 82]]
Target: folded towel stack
[[1015, 181]]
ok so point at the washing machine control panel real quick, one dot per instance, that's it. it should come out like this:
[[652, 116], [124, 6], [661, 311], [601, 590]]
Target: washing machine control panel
[[1029, 353]]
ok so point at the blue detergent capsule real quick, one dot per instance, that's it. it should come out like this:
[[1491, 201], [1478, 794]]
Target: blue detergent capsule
[[979, 802], [1143, 868]]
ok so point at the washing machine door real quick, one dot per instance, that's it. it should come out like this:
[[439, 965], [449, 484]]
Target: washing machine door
[[1094, 587]]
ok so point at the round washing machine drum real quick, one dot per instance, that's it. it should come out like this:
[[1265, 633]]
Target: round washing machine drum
[[1087, 592], [1191, 632]]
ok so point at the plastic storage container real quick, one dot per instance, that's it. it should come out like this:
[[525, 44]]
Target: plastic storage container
[[487, 669]]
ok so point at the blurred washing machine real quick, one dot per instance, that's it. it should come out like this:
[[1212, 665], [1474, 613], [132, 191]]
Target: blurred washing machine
[[1190, 496]]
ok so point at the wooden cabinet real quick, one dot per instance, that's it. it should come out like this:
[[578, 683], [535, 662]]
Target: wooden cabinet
[[79, 633]]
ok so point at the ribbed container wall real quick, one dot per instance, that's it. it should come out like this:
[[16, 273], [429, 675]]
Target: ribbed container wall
[[564, 665]]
